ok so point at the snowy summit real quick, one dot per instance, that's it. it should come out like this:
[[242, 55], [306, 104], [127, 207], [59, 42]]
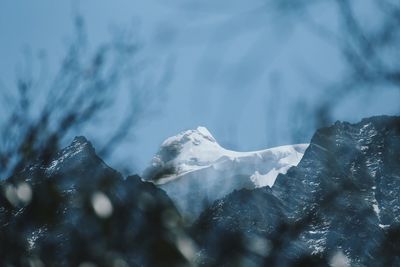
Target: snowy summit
[[195, 170]]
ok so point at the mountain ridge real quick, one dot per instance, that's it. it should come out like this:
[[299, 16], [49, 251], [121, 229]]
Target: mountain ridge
[[195, 170], [339, 206], [341, 199], [74, 209]]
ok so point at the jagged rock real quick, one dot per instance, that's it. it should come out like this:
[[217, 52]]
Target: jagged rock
[[342, 199], [76, 209]]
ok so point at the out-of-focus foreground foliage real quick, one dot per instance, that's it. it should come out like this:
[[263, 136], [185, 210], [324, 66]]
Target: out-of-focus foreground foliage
[[367, 35], [43, 113], [88, 215]]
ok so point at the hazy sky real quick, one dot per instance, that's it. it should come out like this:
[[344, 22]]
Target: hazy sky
[[238, 68]]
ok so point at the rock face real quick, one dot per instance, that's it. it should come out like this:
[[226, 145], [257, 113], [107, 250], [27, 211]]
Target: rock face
[[76, 209], [341, 204], [195, 170]]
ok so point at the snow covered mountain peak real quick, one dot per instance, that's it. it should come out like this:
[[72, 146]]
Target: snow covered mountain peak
[[196, 137], [187, 151], [195, 170], [193, 147]]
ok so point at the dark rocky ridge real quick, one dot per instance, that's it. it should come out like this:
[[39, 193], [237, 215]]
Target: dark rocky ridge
[[48, 215], [343, 196]]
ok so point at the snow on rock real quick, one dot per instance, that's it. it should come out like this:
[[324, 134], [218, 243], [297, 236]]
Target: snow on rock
[[78, 146], [195, 170]]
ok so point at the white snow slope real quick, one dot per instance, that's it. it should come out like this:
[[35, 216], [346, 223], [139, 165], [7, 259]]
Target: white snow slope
[[195, 170]]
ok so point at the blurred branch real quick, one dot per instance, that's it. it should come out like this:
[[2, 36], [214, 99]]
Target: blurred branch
[[84, 87]]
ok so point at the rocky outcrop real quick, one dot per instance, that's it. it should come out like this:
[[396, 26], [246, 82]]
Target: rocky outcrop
[[75, 209], [342, 202]]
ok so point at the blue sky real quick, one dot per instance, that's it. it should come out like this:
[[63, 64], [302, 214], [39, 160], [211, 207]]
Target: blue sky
[[238, 68]]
